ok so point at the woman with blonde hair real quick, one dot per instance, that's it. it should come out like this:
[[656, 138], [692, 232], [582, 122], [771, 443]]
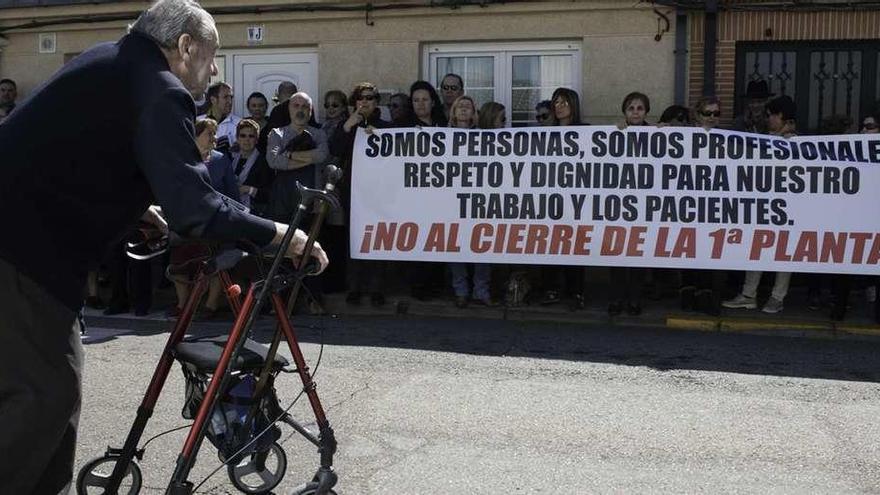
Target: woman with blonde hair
[[463, 115]]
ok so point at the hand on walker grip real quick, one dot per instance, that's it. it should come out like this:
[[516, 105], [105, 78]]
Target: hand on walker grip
[[298, 244]]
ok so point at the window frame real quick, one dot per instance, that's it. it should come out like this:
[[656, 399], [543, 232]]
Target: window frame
[[503, 53]]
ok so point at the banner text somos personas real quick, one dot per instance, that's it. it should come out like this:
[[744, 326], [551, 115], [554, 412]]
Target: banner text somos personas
[[595, 195]]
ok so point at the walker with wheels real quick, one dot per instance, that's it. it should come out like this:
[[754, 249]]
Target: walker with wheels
[[230, 392]]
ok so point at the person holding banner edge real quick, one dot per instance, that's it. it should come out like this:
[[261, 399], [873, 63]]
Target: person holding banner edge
[[627, 282], [781, 112], [701, 289], [463, 115], [363, 275], [425, 278], [567, 281]]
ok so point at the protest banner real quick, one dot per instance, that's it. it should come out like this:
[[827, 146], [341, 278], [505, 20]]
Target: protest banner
[[597, 195]]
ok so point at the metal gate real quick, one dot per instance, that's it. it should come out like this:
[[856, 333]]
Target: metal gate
[[824, 78]]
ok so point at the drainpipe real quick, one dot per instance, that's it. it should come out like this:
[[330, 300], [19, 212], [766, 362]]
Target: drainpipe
[[709, 43], [680, 58]]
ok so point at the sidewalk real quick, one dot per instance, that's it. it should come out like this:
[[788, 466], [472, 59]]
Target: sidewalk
[[795, 321]]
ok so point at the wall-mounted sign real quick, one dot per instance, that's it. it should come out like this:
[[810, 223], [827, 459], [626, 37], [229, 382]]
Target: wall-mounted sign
[[255, 34], [46, 43]]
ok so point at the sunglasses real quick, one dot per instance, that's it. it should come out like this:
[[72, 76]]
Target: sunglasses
[[716, 113], [247, 136], [870, 126], [450, 87], [332, 105], [367, 97]]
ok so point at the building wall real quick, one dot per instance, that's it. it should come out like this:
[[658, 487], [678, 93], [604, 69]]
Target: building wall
[[754, 26], [619, 53]]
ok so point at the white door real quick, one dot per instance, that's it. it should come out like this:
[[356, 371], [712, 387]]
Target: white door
[[254, 70]]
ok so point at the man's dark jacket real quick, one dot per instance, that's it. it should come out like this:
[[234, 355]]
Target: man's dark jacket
[[76, 175]]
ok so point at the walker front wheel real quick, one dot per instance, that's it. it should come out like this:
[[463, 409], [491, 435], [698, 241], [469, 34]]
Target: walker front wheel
[[259, 472], [94, 477]]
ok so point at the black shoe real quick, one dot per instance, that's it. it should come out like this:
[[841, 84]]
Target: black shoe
[[688, 298], [353, 297], [377, 299], [461, 302], [634, 309], [614, 309], [707, 303]]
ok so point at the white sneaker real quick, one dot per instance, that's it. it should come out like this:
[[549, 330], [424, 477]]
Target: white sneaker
[[740, 302], [773, 306]]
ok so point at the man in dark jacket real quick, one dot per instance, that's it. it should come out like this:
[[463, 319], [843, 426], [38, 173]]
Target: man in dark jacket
[[65, 196]]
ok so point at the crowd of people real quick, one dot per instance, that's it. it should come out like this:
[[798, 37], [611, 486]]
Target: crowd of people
[[258, 159]]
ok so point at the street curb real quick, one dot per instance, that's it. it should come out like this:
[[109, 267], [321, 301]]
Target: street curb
[[788, 327], [773, 326]]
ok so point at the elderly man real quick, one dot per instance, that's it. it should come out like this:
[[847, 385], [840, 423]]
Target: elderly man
[[68, 195], [279, 116], [298, 153]]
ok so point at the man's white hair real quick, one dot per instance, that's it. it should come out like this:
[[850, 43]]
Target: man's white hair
[[167, 20], [304, 96]]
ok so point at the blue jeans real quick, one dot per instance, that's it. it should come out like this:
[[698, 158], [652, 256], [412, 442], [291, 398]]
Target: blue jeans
[[481, 280]]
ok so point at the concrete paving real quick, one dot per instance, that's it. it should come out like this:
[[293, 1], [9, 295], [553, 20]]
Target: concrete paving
[[428, 405]]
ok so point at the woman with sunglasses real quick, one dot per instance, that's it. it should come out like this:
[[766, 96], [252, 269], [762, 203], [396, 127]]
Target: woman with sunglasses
[[567, 281], [542, 112], [335, 111], [334, 232], [700, 290], [363, 275], [251, 169]]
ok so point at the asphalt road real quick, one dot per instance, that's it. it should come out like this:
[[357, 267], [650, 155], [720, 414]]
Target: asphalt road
[[449, 406]]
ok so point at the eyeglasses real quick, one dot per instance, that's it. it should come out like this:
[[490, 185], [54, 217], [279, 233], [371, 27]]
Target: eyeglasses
[[716, 113], [247, 136], [332, 105], [450, 87], [367, 97]]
